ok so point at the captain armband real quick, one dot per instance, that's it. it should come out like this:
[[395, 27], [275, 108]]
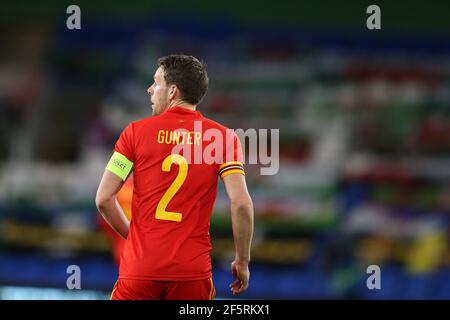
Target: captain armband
[[119, 165]]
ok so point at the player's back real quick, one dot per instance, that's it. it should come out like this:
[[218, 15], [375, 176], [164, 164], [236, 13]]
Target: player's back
[[175, 186]]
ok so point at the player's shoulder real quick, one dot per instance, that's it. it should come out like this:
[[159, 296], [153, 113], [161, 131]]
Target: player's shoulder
[[144, 122], [214, 124]]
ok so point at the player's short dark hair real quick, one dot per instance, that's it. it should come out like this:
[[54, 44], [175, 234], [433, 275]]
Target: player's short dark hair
[[188, 74]]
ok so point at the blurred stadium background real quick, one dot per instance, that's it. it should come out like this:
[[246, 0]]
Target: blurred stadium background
[[364, 119]]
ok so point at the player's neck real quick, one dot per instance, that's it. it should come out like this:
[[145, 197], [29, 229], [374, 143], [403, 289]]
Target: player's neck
[[182, 104]]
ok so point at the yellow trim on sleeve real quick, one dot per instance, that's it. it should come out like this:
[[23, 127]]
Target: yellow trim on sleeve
[[226, 164], [119, 165], [226, 173]]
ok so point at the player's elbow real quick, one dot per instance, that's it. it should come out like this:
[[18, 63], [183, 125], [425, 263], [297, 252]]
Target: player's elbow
[[242, 205], [102, 201]]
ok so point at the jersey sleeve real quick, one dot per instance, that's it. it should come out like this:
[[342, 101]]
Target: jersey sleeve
[[122, 160], [233, 160]]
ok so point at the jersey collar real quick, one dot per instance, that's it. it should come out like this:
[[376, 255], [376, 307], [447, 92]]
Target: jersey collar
[[182, 111]]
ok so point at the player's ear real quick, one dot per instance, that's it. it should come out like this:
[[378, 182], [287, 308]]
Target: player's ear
[[173, 92]]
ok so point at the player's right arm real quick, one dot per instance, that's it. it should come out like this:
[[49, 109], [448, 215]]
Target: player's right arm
[[107, 204], [117, 171], [242, 224]]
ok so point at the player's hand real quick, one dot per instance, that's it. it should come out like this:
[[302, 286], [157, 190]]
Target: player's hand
[[241, 274]]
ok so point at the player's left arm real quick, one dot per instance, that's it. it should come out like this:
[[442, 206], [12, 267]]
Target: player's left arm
[[108, 205]]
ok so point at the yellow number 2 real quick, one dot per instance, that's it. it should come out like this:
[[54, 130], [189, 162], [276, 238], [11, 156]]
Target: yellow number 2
[[161, 212]]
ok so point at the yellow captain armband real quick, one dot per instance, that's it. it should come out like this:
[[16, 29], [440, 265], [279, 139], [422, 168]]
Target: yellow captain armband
[[119, 165]]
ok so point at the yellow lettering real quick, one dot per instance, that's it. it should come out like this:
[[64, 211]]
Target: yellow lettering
[[160, 136], [168, 137], [184, 137], [176, 137], [197, 137]]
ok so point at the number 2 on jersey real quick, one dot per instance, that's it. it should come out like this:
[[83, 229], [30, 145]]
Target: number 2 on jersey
[[161, 212]]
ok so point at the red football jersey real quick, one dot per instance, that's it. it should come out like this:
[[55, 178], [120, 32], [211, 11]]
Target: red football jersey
[[177, 158]]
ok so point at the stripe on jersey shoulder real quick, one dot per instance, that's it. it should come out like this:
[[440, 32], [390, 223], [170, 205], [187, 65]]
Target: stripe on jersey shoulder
[[231, 171], [231, 167], [231, 163]]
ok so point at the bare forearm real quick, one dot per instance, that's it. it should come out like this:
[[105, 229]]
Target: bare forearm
[[242, 222], [114, 215]]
